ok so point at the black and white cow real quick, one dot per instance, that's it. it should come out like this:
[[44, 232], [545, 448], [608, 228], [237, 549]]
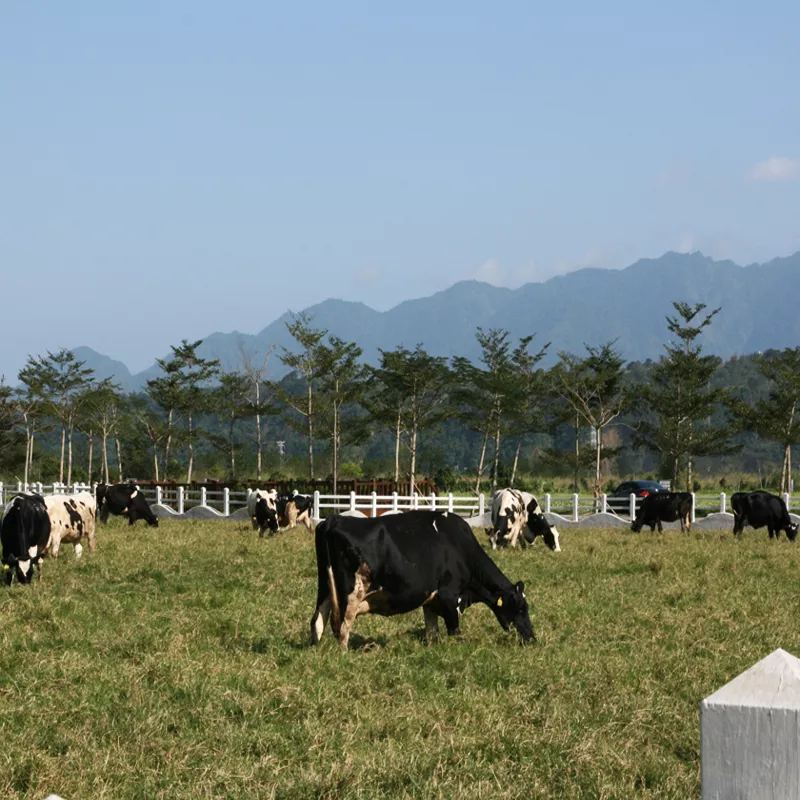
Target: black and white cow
[[758, 509], [262, 510], [24, 533], [72, 520], [664, 507], [124, 499], [293, 508], [400, 562], [517, 514]]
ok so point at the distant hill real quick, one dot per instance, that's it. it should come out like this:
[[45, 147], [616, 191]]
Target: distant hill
[[759, 303]]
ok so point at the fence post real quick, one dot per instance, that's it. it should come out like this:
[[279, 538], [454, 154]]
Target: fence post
[[632, 505], [603, 503], [159, 496], [202, 495], [180, 499], [41, 488], [786, 499], [352, 501], [433, 501], [316, 504], [694, 504], [722, 499], [748, 732], [19, 486], [374, 509], [575, 509], [547, 503], [415, 501], [450, 503], [394, 501], [226, 501], [481, 504]]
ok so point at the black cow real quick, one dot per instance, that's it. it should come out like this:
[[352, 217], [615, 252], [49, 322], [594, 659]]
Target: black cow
[[758, 509], [664, 507], [24, 533], [399, 562], [124, 499], [517, 516]]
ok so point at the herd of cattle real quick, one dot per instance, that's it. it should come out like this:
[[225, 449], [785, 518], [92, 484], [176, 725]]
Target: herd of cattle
[[388, 565]]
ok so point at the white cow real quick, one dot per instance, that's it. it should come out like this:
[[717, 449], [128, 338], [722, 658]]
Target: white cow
[[72, 520], [516, 514], [261, 506]]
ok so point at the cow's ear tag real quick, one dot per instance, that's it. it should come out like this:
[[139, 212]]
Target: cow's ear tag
[[499, 601], [5, 566]]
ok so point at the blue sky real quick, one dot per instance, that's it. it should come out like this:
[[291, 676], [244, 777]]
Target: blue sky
[[172, 169]]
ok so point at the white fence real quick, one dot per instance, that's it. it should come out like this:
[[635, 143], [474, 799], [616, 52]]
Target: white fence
[[570, 507]]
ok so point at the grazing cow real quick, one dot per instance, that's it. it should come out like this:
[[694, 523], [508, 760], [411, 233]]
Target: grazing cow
[[758, 509], [72, 519], [124, 499], [293, 508], [517, 514], [262, 510], [664, 507], [397, 563], [24, 533]]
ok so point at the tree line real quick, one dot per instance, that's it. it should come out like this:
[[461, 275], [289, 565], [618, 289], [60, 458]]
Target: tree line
[[675, 408]]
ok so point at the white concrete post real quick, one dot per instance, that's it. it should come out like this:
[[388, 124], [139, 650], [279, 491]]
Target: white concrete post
[[202, 495], [450, 503], [415, 501], [575, 509], [481, 504], [226, 501], [547, 503], [749, 742], [159, 495], [694, 504], [316, 504], [41, 487], [352, 501], [394, 501], [722, 499], [632, 505], [603, 503], [2, 495], [786, 499], [19, 486], [374, 505], [433, 502], [180, 499]]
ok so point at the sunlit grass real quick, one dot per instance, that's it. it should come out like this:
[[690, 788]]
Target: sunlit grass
[[175, 663]]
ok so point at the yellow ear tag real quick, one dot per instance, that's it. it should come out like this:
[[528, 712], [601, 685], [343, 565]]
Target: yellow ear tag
[[5, 566], [499, 601]]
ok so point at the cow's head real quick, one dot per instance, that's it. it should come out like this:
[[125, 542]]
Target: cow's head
[[22, 569], [152, 520], [791, 531], [266, 515], [511, 608]]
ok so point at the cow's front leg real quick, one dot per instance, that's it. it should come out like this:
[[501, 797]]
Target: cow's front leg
[[431, 623]]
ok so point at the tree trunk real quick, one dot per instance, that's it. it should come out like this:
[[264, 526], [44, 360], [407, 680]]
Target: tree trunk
[[191, 449], [258, 432], [413, 466], [168, 445], [675, 471], [28, 437], [310, 437], [119, 459], [233, 448], [61, 462], [397, 433], [496, 465], [483, 457], [783, 472], [155, 461], [105, 457], [598, 432], [576, 474], [335, 444], [516, 461], [91, 448], [69, 456]]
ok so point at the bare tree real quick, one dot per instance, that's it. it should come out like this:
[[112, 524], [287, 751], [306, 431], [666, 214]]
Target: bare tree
[[255, 373]]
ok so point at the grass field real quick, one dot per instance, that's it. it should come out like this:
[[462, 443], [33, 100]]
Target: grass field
[[175, 664]]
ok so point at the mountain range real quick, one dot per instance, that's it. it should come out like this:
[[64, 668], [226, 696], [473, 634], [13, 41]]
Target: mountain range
[[759, 310]]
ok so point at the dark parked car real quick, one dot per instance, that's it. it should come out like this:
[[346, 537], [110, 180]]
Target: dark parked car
[[619, 499]]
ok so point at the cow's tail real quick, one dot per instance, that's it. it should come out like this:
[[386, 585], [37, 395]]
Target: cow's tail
[[326, 586]]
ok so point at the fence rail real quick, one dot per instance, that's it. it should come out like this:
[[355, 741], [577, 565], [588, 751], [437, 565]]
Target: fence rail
[[572, 507]]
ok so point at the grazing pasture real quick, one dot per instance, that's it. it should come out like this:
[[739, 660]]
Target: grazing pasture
[[176, 663]]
